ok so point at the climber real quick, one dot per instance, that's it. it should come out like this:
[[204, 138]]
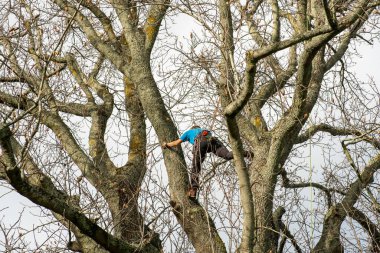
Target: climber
[[203, 143]]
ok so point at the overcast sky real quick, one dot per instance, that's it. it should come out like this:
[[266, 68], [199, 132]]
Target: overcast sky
[[12, 204]]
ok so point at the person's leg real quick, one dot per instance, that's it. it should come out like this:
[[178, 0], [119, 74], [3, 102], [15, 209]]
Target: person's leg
[[220, 150], [199, 155]]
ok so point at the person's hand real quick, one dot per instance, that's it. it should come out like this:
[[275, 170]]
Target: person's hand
[[164, 145]]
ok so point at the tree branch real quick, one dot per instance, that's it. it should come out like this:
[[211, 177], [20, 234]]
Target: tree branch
[[14, 65], [336, 214], [357, 12], [368, 225], [303, 22], [280, 227], [352, 164], [231, 111], [103, 19], [63, 133], [3, 174], [276, 21], [79, 77], [237, 105], [28, 105], [98, 150], [273, 86], [334, 131], [91, 33], [12, 79], [83, 242], [330, 17], [342, 48], [327, 191], [153, 22], [54, 200], [127, 13]]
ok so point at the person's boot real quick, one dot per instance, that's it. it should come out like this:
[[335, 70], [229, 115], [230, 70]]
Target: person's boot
[[192, 193]]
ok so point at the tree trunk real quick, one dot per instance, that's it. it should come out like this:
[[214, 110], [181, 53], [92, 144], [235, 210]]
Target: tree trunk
[[263, 185]]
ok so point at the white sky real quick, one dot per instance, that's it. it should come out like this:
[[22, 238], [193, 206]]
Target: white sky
[[12, 204]]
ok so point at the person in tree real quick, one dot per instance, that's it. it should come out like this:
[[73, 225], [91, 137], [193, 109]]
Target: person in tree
[[203, 142]]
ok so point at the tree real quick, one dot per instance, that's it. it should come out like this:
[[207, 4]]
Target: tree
[[74, 70]]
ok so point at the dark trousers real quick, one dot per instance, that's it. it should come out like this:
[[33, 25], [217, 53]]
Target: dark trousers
[[202, 146]]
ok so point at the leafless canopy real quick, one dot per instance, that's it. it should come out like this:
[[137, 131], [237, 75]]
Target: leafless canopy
[[90, 88]]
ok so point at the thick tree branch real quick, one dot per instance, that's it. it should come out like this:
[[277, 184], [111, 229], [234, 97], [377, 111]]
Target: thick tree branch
[[273, 62], [329, 15], [79, 77], [90, 81], [12, 79], [276, 21], [91, 33], [342, 48], [129, 177], [76, 109], [337, 131], [287, 128], [371, 228], [308, 83], [34, 175], [61, 130], [334, 131], [153, 22], [128, 15], [242, 99], [336, 214], [83, 242], [98, 150], [28, 105], [190, 214], [275, 47], [55, 201], [14, 66], [244, 185], [74, 246], [103, 19], [273, 86], [98, 65], [3, 174], [356, 13], [303, 22], [227, 49], [327, 191], [352, 164], [280, 227], [68, 141]]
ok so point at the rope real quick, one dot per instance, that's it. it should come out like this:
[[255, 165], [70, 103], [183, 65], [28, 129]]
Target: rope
[[311, 195]]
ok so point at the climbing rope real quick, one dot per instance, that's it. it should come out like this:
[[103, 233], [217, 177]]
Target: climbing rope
[[311, 195]]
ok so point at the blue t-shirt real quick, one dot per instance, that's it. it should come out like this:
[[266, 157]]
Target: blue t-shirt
[[190, 135]]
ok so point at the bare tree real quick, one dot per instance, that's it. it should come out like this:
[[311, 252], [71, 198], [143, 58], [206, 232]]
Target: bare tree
[[80, 78], [317, 37]]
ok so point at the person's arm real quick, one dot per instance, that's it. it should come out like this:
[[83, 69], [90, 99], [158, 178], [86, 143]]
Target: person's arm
[[171, 144]]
